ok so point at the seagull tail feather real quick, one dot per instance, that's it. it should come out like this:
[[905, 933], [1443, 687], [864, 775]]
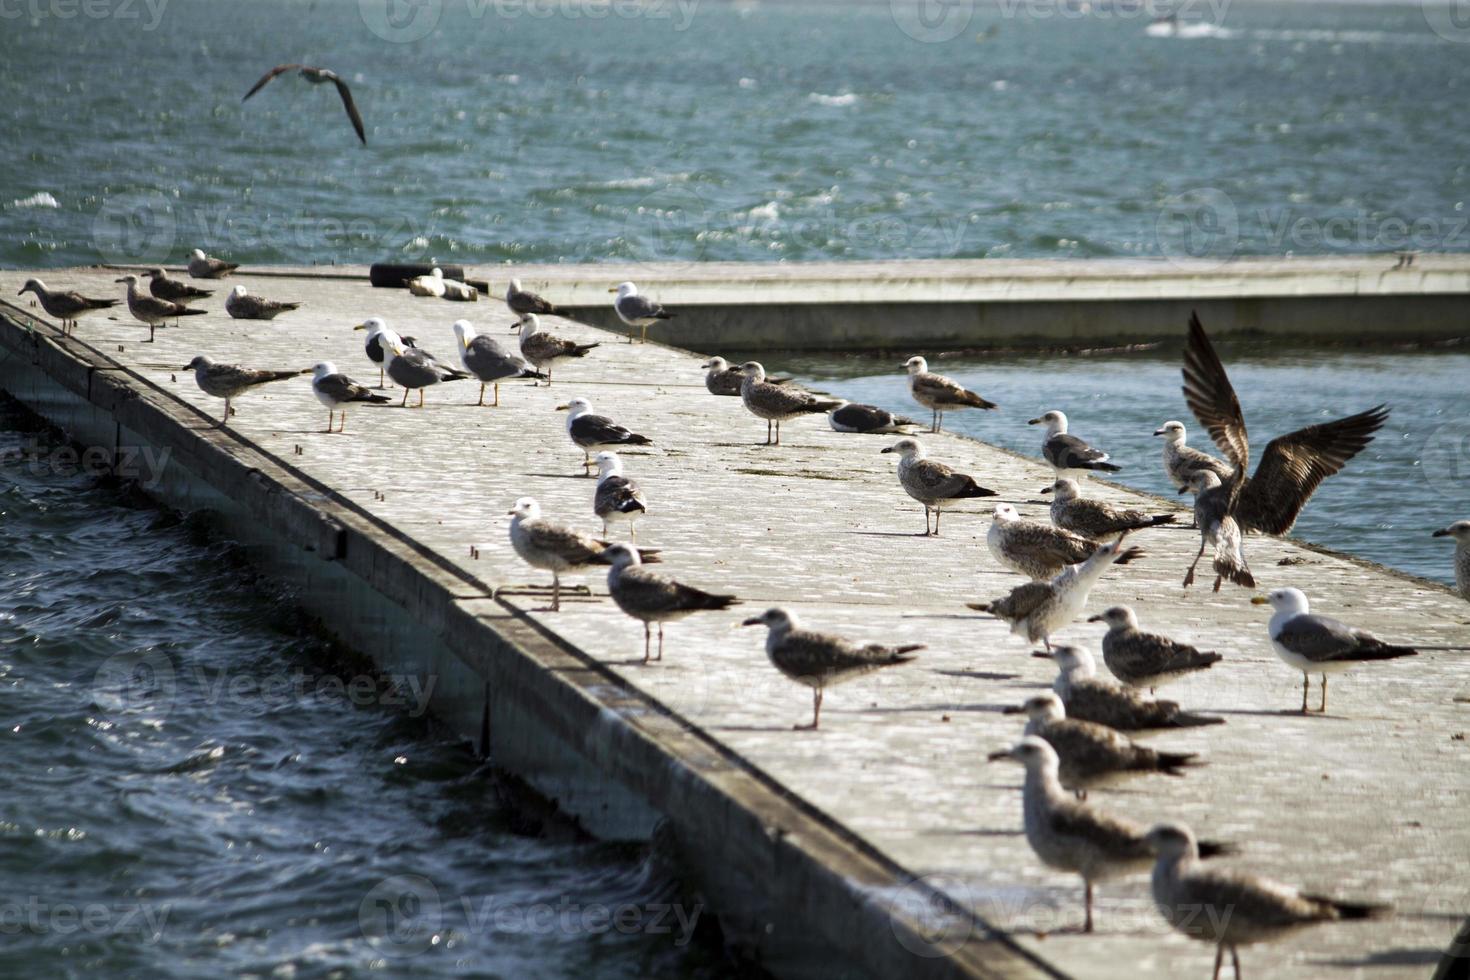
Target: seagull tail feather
[[1216, 848], [1174, 763], [974, 400], [1350, 910], [1185, 719]]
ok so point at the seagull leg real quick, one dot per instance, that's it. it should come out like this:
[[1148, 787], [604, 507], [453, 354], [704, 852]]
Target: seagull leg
[[1306, 679], [151, 327], [421, 398], [342, 425], [1219, 958], [404, 403], [555, 592], [645, 641], [496, 402], [768, 432], [381, 379], [936, 521], [1189, 575], [1235, 961], [331, 417], [1323, 709], [225, 419], [1087, 900], [482, 394], [660, 642]]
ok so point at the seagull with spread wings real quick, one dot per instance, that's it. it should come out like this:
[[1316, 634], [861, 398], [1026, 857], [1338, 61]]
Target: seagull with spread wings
[[1293, 465], [317, 76]]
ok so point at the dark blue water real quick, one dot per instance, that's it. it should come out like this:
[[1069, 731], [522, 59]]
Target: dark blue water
[[197, 783]]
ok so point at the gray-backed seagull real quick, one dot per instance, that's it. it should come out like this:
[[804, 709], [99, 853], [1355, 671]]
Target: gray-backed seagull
[[617, 498], [652, 598], [336, 391], [164, 286], [1318, 644], [636, 310], [240, 305], [488, 361], [373, 346], [1065, 452], [523, 301], [591, 432], [317, 76], [851, 417], [411, 367]]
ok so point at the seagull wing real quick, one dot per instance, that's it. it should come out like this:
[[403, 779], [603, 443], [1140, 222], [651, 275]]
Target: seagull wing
[[347, 104], [598, 430], [1317, 638], [1295, 464], [278, 70], [637, 307], [1211, 397]]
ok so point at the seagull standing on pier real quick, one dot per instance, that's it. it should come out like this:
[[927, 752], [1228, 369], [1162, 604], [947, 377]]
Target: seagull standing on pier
[[652, 598], [720, 378], [821, 660], [543, 349], [1232, 908], [777, 403], [229, 381], [1031, 548], [523, 301], [240, 305], [1320, 645], [556, 548], [1092, 698], [1181, 460], [336, 391], [1149, 660], [153, 311], [617, 498], [373, 346], [931, 483], [1036, 610], [1069, 835], [411, 367], [164, 286], [1093, 518], [938, 393], [66, 306], [636, 310], [483, 357], [318, 76], [1214, 515], [202, 266], [1066, 453], [1459, 532], [592, 432]]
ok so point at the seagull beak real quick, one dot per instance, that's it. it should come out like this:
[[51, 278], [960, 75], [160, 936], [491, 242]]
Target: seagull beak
[[1013, 709], [1044, 490], [360, 326], [754, 622], [1041, 654], [563, 408], [1095, 619], [997, 756], [1443, 532], [115, 280], [1158, 432], [613, 289], [1259, 600], [885, 449], [1184, 489], [1033, 421]]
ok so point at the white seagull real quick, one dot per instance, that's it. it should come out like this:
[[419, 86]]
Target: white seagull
[[1320, 645]]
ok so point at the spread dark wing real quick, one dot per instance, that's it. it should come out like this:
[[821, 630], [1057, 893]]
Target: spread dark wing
[[279, 69], [1295, 464], [351, 108], [1212, 399]]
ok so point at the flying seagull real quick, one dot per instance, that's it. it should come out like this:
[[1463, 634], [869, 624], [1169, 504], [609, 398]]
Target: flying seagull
[[1092, 518], [1181, 460], [938, 393], [777, 403], [555, 548], [636, 310], [242, 306], [523, 301], [202, 266], [1065, 452], [592, 432], [67, 306], [931, 483], [1293, 465], [163, 286], [317, 76], [483, 357], [1320, 645], [1069, 835], [373, 346], [229, 381], [1459, 532], [617, 498], [1095, 699], [1093, 755], [336, 391], [850, 417], [1149, 660], [1038, 609], [651, 598], [1218, 528], [543, 349], [1031, 548], [820, 660], [153, 311], [1233, 908]]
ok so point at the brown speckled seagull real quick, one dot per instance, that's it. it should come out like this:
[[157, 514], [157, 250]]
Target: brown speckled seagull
[[938, 393], [931, 483]]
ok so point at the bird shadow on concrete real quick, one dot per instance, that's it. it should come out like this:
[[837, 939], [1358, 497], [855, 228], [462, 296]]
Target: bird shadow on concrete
[[757, 728], [975, 833], [979, 675], [892, 534], [1280, 713], [560, 476], [1387, 957]]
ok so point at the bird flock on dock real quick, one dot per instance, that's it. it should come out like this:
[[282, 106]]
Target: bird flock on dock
[[1078, 736]]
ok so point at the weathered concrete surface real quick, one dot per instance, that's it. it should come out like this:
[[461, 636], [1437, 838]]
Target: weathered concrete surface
[[1368, 802]]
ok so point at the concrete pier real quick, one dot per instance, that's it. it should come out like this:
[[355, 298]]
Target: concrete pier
[[882, 844]]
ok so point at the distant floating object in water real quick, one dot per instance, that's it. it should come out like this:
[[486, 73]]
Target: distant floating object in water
[[317, 76]]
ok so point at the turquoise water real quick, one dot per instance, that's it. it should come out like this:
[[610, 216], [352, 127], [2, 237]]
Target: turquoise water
[[196, 784], [603, 131]]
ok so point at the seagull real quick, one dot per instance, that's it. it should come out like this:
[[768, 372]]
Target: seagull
[[152, 311], [411, 367], [722, 379], [523, 301], [336, 391], [777, 403], [820, 660], [429, 285], [850, 417], [617, 497], [1215, 517], [1460, 533], [636, 310], [1181, 460], [653, 598], [1093, 518], [1149, 660], [1036, 550], [556, 549], [1070, 835], [1319, 645], [1038, 609], [483, 357], [1233, 908], [938, 393], [242, 306], [317, 76], [162, 286], [592, 432], [1067, 453], [1091, 698], [1293, 465], [543, 349], [228, 381], [65, 307], [374, 344], [201, 266], [1093, 755], [929, 482]]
